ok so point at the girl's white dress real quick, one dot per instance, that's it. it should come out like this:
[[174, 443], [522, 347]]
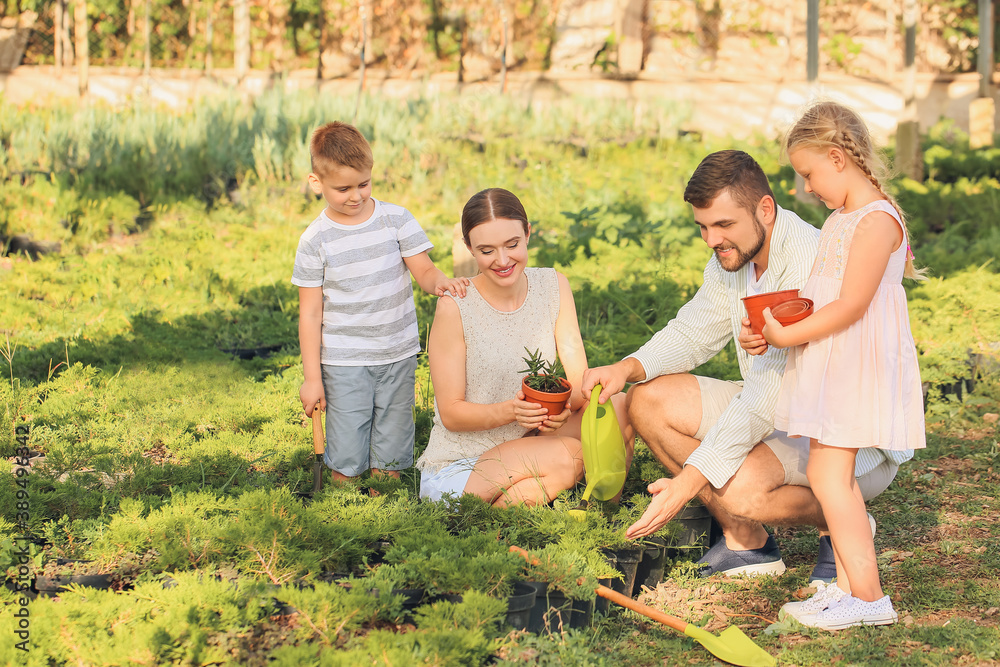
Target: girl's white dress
[[859, 387]]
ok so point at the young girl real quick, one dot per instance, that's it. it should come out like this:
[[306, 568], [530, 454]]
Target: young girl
[[852, 379]]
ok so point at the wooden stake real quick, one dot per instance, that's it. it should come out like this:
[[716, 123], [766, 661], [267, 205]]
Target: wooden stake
[[81, 31], [209, 36], [241, 9], [503, 53], [364, 45], [57, 15]]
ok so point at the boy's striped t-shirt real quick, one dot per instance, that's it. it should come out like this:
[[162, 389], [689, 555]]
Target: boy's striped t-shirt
[[369, 317]]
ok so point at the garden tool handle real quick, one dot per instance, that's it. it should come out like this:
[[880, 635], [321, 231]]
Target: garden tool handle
[[521, 552], [319, 441], [618, 598], [640, 608]]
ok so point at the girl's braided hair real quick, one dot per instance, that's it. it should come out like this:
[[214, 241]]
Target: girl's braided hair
[[827, 124]]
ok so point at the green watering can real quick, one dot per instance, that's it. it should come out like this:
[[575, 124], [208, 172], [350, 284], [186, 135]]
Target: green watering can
[[603, 453]]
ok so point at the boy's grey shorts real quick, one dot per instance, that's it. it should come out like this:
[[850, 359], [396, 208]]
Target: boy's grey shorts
[[369, 416], [793, 453]]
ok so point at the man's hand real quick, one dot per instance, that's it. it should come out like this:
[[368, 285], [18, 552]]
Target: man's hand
[[666, 503], [611, 378], [752, 343]]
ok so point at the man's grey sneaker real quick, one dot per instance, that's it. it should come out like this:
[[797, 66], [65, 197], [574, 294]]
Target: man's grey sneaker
[[852, 611], [720, 559], [825, 596], [826, 565]]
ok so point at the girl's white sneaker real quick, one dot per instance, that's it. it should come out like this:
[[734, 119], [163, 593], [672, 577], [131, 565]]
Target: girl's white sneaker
[[852, 611], [825, 595]]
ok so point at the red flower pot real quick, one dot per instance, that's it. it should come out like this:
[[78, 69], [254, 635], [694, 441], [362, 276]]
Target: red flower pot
[[756, 304], [790, 312], [554, 403]]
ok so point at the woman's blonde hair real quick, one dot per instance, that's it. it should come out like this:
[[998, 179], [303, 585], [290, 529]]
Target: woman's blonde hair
[[827, 124]]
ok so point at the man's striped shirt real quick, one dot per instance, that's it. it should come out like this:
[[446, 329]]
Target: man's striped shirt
[[706, 324]]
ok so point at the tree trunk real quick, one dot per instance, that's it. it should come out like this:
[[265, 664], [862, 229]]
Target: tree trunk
[[241, 9], [81, 30], [276, 19], [57, 16], [192, 19], [321, 41], [147, 33], [209, 37], [65, 36], [630, 24]]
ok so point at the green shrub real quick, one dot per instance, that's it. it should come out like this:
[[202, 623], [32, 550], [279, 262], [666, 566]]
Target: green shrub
[[952, 318], [152, 624]]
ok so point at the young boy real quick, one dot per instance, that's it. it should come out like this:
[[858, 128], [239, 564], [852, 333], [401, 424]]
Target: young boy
[[357, 320]]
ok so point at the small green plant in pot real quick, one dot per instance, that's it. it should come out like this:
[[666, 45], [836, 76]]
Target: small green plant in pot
[[545, 382]]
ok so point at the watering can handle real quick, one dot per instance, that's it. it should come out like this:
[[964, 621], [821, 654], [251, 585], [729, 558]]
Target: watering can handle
[[595, 394]]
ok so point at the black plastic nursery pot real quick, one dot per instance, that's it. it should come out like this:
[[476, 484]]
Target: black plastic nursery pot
[[626, 562], [558, 613], [520, 602], [519, 605], [583, 613], [15, 586], [696, 536], [248, 353], [282, 609], [50, 586], [603, 605], [412, 597], [551, 610], [650, 570], [538, 606]]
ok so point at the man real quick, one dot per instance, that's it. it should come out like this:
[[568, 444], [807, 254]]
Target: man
[[715, 437]]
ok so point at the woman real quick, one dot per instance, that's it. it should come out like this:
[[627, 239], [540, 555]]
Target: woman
[[487, 439]]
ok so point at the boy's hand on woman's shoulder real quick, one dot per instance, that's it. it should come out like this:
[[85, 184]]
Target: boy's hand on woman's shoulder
[[454, 286]]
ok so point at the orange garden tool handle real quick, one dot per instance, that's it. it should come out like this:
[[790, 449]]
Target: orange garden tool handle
[[640, 608], [319, 441], [521, 552], [618, 598]]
